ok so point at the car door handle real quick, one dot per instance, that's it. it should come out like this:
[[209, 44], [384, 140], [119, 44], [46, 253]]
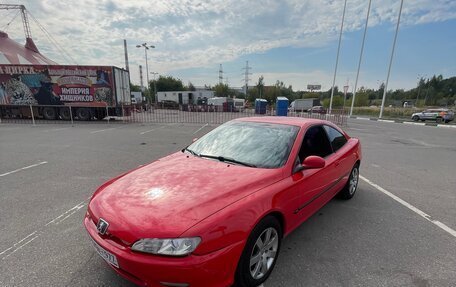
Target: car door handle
[[337, 163]]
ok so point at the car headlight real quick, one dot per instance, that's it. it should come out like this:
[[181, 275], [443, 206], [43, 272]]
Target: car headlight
[[172, 247]]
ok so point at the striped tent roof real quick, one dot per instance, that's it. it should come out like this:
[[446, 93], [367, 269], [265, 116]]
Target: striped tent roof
[[14, 53]]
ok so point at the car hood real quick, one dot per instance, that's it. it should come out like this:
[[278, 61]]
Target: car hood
[[165, 198]]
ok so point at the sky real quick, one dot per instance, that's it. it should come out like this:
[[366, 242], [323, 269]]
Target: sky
[[293, 41]]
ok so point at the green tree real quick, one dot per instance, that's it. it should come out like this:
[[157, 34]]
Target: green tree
[[260, 86], [221, 90], [167, 83]]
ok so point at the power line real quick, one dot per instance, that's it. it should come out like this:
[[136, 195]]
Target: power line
[[5, 28], [63, 52], [337, 58]]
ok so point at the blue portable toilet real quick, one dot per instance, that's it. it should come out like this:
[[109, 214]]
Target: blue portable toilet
[[281, 106], [260, 106]]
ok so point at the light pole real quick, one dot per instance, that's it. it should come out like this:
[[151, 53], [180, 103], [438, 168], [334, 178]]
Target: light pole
[[146, 47], [155, 87]]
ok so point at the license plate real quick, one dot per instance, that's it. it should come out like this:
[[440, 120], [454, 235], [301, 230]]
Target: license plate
[[106, 255]]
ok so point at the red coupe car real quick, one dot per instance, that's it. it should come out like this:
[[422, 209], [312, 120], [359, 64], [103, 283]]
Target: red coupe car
[[215, 213]]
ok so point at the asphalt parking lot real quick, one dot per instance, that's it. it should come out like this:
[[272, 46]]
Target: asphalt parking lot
[[48, 172]]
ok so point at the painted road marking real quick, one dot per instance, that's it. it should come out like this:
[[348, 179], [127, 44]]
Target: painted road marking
[[23, 168], [37, 233], [99, 131], [54, 130], [68, 213], [142, 133], [385, 121], [411, 207], [201, 128]]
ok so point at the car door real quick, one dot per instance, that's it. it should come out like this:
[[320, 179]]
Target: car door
[[314, 186], [343, 163]]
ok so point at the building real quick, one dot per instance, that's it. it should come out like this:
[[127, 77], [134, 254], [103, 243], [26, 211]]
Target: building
[[197, 97]]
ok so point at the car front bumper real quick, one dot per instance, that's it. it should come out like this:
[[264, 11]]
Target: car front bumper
[[211, 270]]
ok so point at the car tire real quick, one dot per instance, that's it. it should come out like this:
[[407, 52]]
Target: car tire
[[350, 188], [439, 120], [257, 260], [415, 118]]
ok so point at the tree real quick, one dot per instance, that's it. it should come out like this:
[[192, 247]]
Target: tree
[[167, 83], [260, 86], [135, 88], [191, 87], [221, 90]]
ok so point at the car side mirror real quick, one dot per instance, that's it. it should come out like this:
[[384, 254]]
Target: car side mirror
[[311, 162]]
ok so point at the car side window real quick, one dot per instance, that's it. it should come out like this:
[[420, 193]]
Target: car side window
[[315, 142], [336, 138]]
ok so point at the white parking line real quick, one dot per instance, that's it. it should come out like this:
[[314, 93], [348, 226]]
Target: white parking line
[[386, 121], [201, 128], [68, 213], [37, 233], [143, 133], [411, 207], [99, 131], [54, 130], [23, 168]]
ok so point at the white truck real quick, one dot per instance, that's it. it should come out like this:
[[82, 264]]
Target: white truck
[[303, 105]]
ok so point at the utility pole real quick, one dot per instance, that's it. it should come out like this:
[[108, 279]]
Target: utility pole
[[126, 56], [246, 76], [360, 58], [337, 58], [141, 81], [391, 61], [221, 74]]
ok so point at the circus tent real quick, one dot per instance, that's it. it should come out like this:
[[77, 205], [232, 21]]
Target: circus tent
[[14, 53]]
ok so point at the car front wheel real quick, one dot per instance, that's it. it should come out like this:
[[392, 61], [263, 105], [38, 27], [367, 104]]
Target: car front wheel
[[415, 118], [260, 253]]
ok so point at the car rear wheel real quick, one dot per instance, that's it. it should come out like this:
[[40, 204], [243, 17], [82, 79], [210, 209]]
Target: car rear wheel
[[260, 253], [350, 188]]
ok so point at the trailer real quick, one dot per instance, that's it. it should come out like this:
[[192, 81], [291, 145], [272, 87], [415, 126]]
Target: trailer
[[63, 91]]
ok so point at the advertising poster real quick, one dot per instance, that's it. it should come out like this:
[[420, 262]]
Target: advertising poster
[[56, 85]]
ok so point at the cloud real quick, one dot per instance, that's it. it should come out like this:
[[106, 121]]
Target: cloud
[[198, 33]]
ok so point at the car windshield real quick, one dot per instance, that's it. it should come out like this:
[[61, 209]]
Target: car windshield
[[263, 145]]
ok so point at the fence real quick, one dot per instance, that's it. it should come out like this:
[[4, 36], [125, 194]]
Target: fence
[[142, 114]]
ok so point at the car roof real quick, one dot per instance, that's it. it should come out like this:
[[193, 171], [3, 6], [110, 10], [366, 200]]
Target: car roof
[[295, 121]]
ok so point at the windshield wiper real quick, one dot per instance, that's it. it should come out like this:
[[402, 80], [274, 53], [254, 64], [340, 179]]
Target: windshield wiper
[[190, 151], [227, 159]]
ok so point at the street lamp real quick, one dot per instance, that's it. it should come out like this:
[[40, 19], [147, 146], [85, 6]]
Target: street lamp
[[146, 47], [155, 87]]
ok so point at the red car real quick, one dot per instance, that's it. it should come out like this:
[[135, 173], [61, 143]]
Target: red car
[[215, 213]]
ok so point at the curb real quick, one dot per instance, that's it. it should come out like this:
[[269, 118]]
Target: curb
[[403, 122]]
